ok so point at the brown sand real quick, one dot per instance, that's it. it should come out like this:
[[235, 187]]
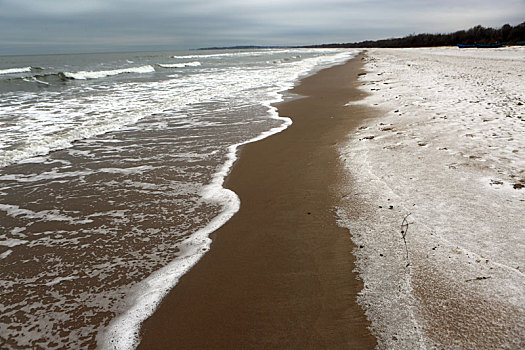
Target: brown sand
[[279, 273]]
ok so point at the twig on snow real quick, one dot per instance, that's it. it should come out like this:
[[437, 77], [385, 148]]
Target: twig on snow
[[404, 229]]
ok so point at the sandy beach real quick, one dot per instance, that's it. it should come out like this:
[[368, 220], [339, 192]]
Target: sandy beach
[[280, 273]]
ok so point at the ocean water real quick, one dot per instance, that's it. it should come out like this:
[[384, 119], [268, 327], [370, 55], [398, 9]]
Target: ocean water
[[111, 174]]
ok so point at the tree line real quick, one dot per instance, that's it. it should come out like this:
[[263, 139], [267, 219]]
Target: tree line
[[475, 35]]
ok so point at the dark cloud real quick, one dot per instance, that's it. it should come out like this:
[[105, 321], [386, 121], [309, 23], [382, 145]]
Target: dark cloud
[[45, 26]]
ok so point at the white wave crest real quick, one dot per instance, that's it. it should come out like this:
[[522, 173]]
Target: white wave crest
[[15, 70], [84, 75], [180, 65], [35, 80]]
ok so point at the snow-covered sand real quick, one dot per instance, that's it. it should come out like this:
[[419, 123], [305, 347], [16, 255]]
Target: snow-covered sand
[[448, 149]]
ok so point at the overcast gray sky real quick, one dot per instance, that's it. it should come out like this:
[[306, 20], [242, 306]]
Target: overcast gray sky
[[61, 26]]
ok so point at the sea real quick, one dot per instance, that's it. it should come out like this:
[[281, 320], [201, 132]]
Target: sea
[[111, 179]]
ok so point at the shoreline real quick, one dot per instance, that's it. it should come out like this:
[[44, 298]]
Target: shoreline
[[270, 279]]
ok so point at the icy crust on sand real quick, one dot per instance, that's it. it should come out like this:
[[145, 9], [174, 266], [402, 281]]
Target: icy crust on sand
[[448, 149]]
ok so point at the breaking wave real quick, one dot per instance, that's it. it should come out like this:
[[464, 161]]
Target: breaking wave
[[15, 70], [180, 65], [85, 75]]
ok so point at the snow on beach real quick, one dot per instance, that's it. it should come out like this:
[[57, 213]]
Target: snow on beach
[[448, 149]]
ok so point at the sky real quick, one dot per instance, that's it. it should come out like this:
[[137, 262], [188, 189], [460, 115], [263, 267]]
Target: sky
[[73, 26]]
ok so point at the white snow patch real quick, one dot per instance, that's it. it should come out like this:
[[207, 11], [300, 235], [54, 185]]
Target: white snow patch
[[449, 148]]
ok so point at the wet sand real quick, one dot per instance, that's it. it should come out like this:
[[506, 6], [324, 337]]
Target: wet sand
[[279, 273]]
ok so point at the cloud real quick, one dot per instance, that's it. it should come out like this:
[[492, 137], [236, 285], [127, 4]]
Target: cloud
[[120, 24], [53, 8]]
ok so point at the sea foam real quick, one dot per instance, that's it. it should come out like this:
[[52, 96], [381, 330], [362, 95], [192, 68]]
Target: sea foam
[[15, 70], [84, 75], [180, 65], [123, 332]]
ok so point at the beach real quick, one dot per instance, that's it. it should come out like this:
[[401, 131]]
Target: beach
[[262, 175], [317, 199], [279, 274]]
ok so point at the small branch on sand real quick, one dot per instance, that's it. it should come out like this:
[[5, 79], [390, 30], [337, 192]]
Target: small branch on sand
[[478, 279], [404, 229]]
